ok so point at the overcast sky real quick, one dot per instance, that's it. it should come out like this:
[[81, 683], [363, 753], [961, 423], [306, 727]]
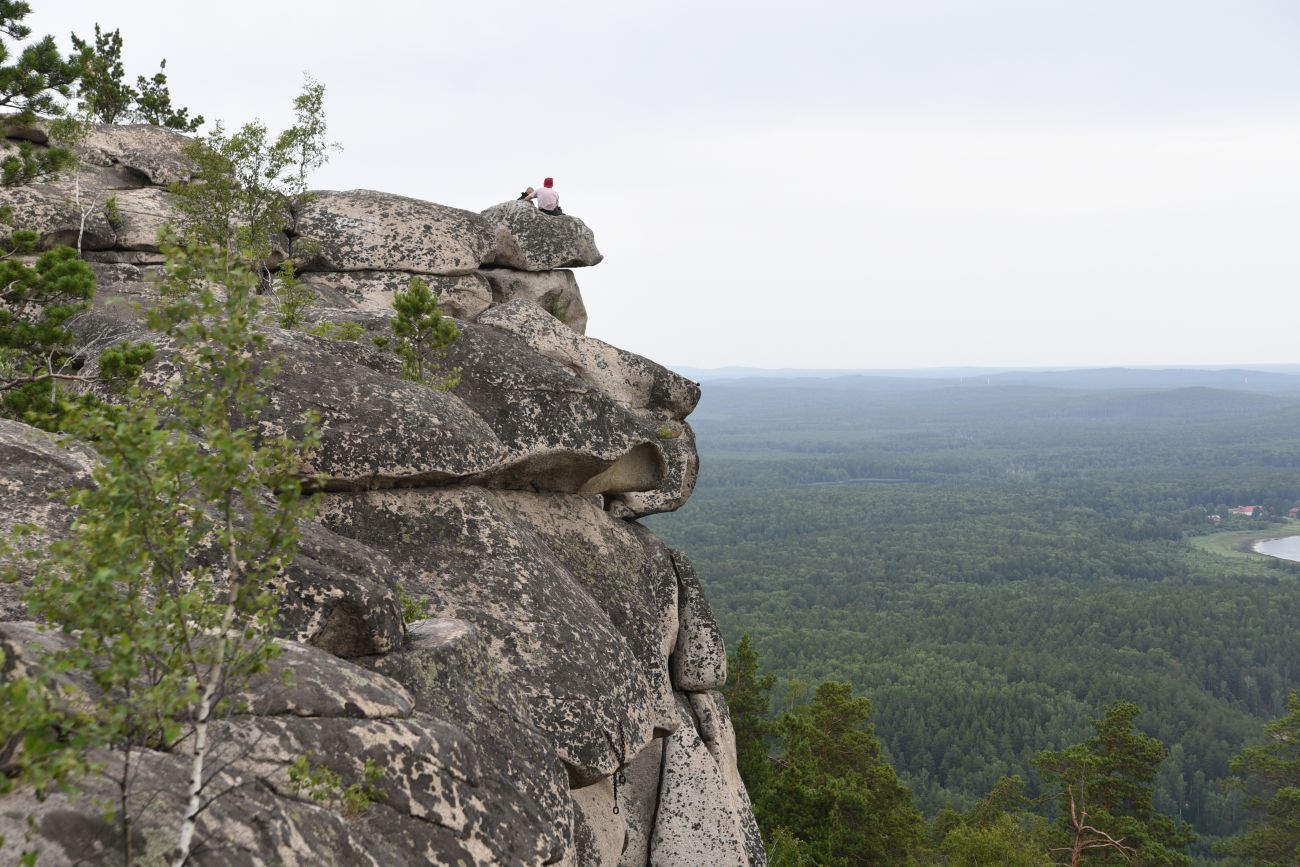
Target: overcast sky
[[860, 184]]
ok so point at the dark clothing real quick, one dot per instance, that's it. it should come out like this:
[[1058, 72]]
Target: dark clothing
[[554, 212]]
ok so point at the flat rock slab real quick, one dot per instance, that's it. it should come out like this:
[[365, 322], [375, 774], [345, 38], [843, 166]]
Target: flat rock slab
[[366, 230], [528, 240]]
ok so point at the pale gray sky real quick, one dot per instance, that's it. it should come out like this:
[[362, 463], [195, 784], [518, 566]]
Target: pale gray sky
[[856, 184]]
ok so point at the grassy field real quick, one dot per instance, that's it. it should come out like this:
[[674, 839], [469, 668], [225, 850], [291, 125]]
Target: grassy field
[[1237, 543]]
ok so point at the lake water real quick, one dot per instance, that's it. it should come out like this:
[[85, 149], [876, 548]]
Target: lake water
[[1286, 548]]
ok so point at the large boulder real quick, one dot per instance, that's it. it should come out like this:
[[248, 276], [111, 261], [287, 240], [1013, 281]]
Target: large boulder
[[154, 154], [52, 214], [562, 433], [376, 430], [137, 215], [431, 798], [528, 240], [463, 296], [462, 551], [556, 292], [365, 230], [336, 592], [631, 380]]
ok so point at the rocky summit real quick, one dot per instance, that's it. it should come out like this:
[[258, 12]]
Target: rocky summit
[[557, 702]]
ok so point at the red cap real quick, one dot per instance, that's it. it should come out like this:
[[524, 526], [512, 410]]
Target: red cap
[[549, 182]]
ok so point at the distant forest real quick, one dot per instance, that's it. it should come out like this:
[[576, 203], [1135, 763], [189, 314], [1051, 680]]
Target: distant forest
[[995, 561]]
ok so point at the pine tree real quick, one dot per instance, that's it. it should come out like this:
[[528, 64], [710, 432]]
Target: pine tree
[[833, 790], [33, 83], [1105, 791], [1270, 773], [749, 698]]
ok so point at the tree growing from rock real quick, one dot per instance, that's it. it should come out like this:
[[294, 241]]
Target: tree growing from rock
[[421, 335], [167, 584], [246, 182], [105, 96], [42, 375], [35, 81]]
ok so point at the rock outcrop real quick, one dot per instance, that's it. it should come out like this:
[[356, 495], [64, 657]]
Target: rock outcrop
[[546, 690]]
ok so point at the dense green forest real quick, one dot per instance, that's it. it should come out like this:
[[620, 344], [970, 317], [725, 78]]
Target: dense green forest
[[993, 562]]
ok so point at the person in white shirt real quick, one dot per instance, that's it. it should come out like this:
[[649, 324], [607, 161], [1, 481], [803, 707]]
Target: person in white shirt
[[548, 202]]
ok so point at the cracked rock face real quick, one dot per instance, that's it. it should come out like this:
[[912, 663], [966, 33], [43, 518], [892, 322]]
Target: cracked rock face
[[474, 609]]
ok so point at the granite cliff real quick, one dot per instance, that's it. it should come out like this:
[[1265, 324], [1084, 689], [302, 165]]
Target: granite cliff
[[559, 702]]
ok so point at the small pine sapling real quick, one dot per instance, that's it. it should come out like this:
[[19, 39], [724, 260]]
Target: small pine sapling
[[421, 335]]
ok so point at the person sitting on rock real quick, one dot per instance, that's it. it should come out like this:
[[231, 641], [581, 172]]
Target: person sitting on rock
[[527, 195], [548, 201]]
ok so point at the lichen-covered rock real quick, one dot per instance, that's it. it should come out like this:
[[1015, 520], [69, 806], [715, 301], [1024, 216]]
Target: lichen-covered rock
[[682, 470], [699, 659], [452, 676], [463, 296], [638, 800], [528, 240], [563, 434], [304, 681], [365, 230], [431, 773], [627, 572], [464, 553], [719, 736], [155, 154], [51, 213], [137, 215], [375, 430], [556, 292], [698, 820], [633, 381], [34, 467], [339, 596], [335, 591], [249, 826]]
